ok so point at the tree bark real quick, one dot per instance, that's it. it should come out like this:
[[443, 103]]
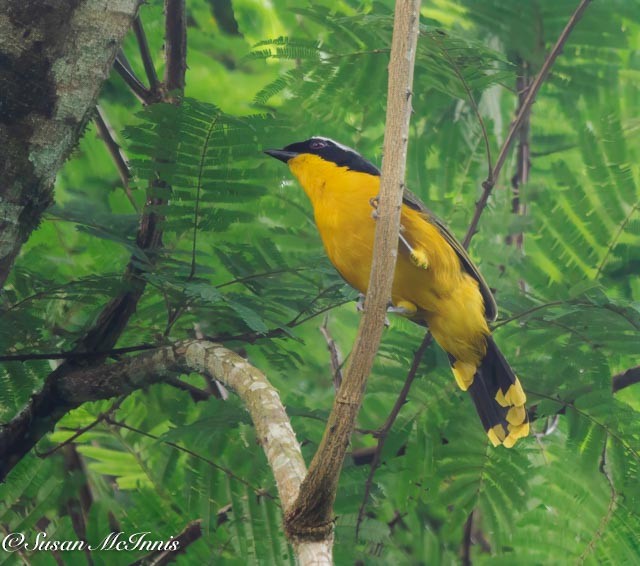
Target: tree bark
[[311, 518], [54, 57]]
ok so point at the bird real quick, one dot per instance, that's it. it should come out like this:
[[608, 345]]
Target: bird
[[436, 284]]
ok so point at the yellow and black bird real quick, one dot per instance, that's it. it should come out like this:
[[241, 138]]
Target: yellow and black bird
[[435, 283]]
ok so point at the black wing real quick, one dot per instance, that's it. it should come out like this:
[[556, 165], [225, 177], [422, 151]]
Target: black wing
[[490, 306]]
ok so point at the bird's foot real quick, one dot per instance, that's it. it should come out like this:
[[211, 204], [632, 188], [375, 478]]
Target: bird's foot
[[403, 308], [374, 204], [360, 308], [360, 303]]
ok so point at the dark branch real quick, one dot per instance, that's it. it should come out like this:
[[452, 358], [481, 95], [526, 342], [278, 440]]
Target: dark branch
[[145, 54], [78, 504], [334, 355], [190, 534], [107, 136], [466, 541], [523, 166], [64, 391], [196, 393], [122, 67], [115, 316], [74, 355], [175, 45], [529, 99], [625, 379]]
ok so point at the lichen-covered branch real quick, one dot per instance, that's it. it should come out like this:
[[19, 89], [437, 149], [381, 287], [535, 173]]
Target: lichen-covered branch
[[55, 57], [262, 401], [312, 516]]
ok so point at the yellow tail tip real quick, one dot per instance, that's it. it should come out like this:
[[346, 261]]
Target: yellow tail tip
[[514, 396], [497, 434]]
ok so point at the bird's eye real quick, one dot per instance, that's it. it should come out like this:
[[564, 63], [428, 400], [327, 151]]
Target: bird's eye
[[318, 144]]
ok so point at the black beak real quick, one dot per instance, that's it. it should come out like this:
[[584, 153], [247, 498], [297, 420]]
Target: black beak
[[280, 154]]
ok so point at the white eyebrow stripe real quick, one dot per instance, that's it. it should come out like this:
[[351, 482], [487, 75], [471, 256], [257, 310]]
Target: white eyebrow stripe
[[337, 144]]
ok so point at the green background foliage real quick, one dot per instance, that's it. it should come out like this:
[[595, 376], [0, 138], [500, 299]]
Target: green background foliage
[[242, 259]]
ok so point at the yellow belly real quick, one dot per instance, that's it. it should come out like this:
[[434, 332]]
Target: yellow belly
[[446, 297]]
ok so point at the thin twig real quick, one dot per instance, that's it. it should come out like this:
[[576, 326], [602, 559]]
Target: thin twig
[[472, 101], [383, 432], [196, 393], [190, 534], [141, 92], [108, 137], [523, 82], [145, 55], [265, 274], [175, 45], [516, 316], [203, 159], [616, 237], [79, 432], [227, 471], [490, 181], [613, 503], [466, 540], [334, 355], [252, 337], [74, 355]]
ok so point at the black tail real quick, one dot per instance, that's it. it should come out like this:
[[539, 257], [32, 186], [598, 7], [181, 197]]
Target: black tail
[[499, 398]]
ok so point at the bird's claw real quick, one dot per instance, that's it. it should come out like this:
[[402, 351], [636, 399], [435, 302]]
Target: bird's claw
[[360, 308], [374, 204]]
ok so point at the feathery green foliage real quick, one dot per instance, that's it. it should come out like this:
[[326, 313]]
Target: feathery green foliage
[[242, 263]]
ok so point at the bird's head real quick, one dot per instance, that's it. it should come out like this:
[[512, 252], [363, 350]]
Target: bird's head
[[316, 150]]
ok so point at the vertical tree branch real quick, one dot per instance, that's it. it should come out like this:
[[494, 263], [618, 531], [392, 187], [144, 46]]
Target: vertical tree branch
[[107, 135], [175, 44], [465, 550], [311, 518], [145, 55], [528, 101], [523, 159]]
